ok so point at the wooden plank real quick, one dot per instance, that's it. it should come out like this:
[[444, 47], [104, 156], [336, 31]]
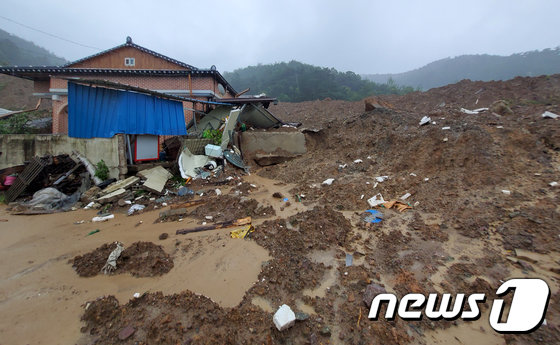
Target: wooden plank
[[228, 224]]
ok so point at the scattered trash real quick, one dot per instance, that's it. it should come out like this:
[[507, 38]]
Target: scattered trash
[[406, 196], [90, 205], [182, 191], [362, 197], [103, 218], [473, 112], [136, 295], [506, 192], [376, 200], [93, 232], [500, 127], [416, 204], [111, 263], [553, 184], [445, 140], [445, 128], [228, 224], [373, 217], [284, 318], [426, 179], [213, 151], [285, 200], [134, 208], [549, 115], [381, 178], [413, 174], [349, 260], [400, 206], [358, 161], [243, 232], [328, 181], [425, 120]]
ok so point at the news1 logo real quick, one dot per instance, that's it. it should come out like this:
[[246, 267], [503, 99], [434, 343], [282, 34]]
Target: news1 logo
[[526, 312]]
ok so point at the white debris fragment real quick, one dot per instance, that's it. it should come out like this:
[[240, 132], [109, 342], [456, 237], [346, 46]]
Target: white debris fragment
[[358, 161], [284, 318], [553, 184], [549, 115], [506, 192], [368, 157], [445, 140], [426, 179], [445, 128], [111, 263], [381, 178], [328, 181], [253, 185], [342, 166], [416, 204], [164, 204], [473, 112], [103, 218], [134, 208], [425, 120], [136, 294], [218, 191], [90, 205], [376, 200], [406, 196], [229, 178], [362, 197], [413, 174], [500, 127], [375, 184], [209, 217]]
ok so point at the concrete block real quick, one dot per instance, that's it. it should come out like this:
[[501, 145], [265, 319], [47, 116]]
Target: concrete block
[[120, 184], [284, 318], [155, 178]]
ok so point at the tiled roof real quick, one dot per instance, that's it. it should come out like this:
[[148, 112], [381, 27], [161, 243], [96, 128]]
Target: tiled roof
[[133, 45], [46, 71]]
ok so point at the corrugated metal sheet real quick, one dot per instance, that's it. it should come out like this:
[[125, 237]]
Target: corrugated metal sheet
[[96, 112]]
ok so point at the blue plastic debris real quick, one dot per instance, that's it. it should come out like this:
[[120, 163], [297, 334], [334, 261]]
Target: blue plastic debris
[[349, 260], [374, 216], [184, 191], [285, 199]]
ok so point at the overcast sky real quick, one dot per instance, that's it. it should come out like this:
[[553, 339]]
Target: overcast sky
[[360, 36]]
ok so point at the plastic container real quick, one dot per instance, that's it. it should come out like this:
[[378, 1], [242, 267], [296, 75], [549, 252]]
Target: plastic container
[[213, 151]]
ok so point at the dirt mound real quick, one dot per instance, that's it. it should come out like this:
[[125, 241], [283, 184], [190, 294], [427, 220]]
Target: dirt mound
[[141, 259], [227, 207]]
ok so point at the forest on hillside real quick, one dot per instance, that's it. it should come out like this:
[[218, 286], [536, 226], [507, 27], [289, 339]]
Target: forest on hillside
[[476, 67], [17, 51], [296, 82]]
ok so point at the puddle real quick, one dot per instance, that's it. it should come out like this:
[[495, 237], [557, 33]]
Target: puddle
[[263, 304], [300, 306]]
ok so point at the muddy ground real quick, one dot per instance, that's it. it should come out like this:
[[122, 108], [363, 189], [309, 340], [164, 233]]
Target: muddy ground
[[464, 234]]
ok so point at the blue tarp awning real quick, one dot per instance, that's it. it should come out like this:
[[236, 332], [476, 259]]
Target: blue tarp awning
[[97, 112]]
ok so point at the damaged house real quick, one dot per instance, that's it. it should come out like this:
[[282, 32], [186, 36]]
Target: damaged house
[[152, 107]]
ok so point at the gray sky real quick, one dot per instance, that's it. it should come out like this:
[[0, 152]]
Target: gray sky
[[360, 36]]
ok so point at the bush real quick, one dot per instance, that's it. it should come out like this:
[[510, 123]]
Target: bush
[[102, 170]]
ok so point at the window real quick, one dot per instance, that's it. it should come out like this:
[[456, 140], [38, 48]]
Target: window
[[129, 62]]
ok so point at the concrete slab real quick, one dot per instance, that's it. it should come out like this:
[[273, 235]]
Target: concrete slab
[[120, 184], [114, 196], [155, 178]]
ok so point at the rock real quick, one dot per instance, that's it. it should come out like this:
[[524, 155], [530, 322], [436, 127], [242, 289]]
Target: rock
[[372, 290], [182, 191], [351, 297], [163, 236], [372, 103], [90, 194], [501, 108], [126, 332], [325, 331], [284, 318], [277, 195], [301, 316]]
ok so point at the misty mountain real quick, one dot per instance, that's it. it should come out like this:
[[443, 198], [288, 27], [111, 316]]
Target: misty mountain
[[476, 67], [296, 82], [15, 51]]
